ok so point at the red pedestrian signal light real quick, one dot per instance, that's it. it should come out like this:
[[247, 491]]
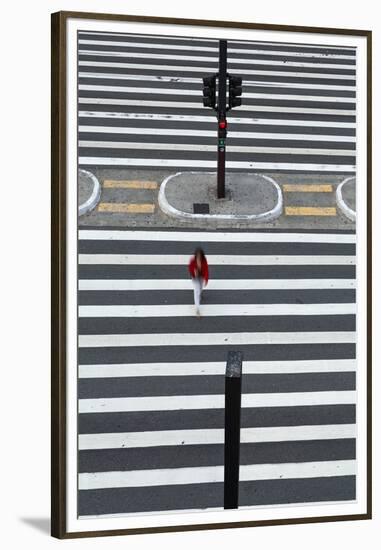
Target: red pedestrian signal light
[[222, 128]]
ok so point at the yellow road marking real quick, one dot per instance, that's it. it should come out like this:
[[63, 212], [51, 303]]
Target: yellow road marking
[[305, 188], [310, 211], [129, 184], [130, 208]]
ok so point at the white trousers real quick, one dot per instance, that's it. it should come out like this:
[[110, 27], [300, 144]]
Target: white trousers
[[198, 284]]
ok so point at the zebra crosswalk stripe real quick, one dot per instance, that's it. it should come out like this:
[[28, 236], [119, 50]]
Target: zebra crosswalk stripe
[[202, 70], [173, 259], [331, 89], [212, 368], [221, 284], [285, 87], [213, 437], [214, 339], [163, 119], [213, 236], [197, 105], [217, 310], [208, 133], [212, 59], [183, 402], [214, 474], [272, 53], [179, 91]]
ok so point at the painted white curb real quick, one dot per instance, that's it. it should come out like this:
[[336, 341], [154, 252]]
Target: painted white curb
[[175, 213], [342, 205], [95, 196]]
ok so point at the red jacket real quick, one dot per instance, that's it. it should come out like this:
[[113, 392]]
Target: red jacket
[[204, 269]]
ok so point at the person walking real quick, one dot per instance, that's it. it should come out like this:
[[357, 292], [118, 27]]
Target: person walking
[[199, 271]]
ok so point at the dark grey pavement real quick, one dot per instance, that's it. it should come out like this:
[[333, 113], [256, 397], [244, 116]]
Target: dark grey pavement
[[92, 423], [186, 497], [287, 370]]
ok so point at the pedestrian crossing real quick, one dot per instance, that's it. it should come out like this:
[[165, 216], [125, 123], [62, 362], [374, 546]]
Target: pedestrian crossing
[[140, 105], [151, 374]]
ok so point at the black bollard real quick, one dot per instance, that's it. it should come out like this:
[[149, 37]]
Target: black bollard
[[233, 385]]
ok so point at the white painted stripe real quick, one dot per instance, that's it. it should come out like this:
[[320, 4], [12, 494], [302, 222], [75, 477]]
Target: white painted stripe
[[209, 119], [213, 509], [198, 105], [216, 284], [156, 38], [212, 69], [214, 474], [297, 97], [302, 167], [132, 440], [213, 259], [215, 339], [173, 80], [193, 402], [216, 310], [303, 46], [213, 148], [137, 90], [214, 368], [216, 236], [209, 133], [213, 59], [232, 50], [299, 85], [182, 91]]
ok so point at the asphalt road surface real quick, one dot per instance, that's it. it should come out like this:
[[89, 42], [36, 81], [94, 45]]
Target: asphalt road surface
[[140, 105], [151, 374]]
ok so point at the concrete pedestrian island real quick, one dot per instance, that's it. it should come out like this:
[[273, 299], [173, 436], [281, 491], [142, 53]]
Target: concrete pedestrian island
[[89, 192], [346, 198], [249, 197]]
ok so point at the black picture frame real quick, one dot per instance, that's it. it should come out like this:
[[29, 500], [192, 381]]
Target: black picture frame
[[59, 261]]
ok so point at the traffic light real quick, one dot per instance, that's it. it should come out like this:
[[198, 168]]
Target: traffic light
[[222, 128], [235, 90], [209, 91]]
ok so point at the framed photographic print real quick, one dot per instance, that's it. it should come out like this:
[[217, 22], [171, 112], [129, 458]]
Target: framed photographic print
[[211, 274]]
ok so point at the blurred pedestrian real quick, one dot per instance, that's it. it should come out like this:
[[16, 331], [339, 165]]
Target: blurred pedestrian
[[199, 271]]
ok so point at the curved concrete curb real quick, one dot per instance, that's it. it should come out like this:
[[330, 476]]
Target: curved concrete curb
[[95, 195], [348, 212], [264, 216]]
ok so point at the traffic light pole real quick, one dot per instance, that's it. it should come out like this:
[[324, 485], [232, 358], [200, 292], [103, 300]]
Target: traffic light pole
[[209, 100], [222, 75]]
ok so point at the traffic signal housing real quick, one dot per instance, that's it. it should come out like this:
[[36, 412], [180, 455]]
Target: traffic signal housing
[[235, 91], [209, 91]]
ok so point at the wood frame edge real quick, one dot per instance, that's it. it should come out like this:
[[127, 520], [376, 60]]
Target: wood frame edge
[[58, 276]]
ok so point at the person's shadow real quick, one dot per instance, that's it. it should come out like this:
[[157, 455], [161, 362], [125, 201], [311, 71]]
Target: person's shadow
[[41, 524]]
